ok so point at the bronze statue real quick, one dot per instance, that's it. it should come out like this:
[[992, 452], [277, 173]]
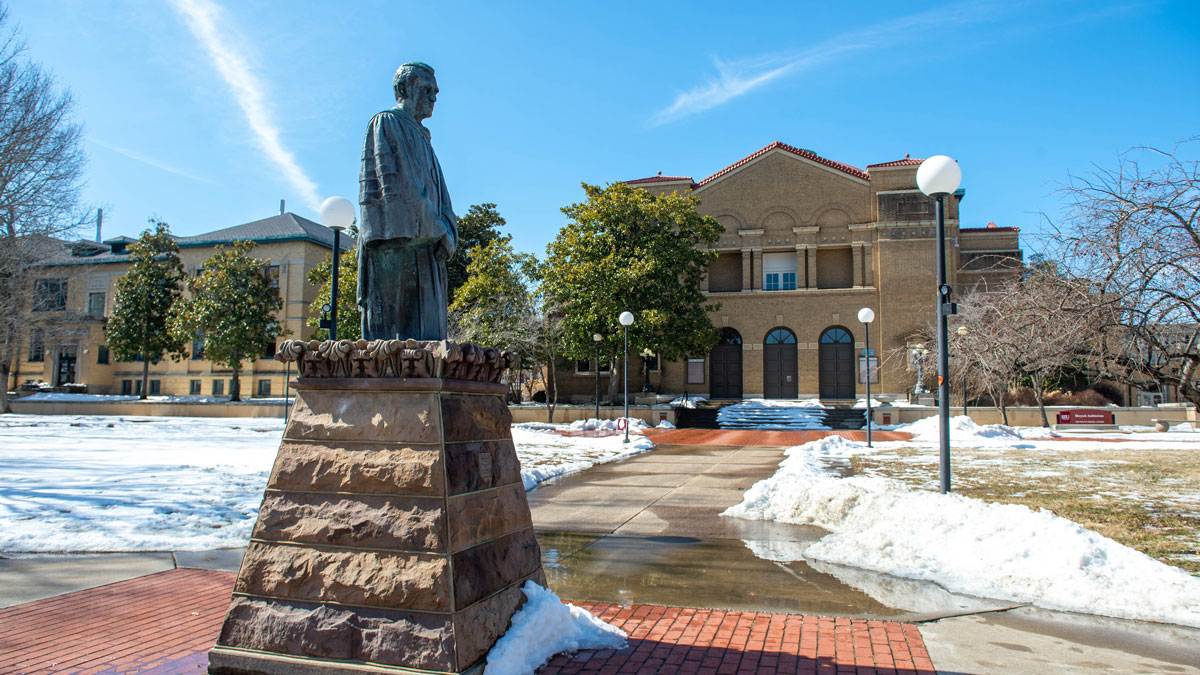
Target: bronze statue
[[408, 228]]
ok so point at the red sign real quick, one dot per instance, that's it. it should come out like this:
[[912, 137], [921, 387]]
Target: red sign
[[1085, 417], [622, 423]]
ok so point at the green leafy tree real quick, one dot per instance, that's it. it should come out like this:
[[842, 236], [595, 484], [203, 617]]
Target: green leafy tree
[[494, 303], [627, 249], [140, 323], [349, 314], [232, 307], [479, 226]]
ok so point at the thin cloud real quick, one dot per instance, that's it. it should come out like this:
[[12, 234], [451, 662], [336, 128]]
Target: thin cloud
[[739, 77], [203, 18], [144, 159]]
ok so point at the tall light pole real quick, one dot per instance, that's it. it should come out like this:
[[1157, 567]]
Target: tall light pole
[[626, 320], [962, 332], [866, 315], [938, 177], [337, 213], [596, 337]]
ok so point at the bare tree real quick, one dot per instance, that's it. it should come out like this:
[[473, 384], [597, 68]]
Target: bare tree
[[41, 170]]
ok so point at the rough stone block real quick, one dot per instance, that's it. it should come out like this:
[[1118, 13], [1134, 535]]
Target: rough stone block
[[358, 467], [405, 523], [475, 418], [378, 416], [462, 466], [478, 627], [388, 637], [488, 567], [401, 580], [479, 516]]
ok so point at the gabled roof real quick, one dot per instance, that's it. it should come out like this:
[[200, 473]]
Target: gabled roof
[[907, 161], [799, 152], [659, 179], [282, 226]]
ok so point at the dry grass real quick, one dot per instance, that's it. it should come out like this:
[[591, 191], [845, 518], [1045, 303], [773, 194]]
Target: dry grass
[[1146, 499]]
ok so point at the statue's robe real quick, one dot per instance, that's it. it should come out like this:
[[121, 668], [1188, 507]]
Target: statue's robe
[[407, 232]]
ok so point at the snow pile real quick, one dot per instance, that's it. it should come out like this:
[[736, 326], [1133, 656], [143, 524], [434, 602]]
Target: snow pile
[[545, 454], [688, 401], [757, 413], [966, 545], [636, 425], [1182, 426], [543, 627], [664, 424], [112, 398], [964, 431]]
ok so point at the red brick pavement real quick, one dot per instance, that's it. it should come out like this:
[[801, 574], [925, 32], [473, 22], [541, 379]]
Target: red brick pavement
[[163, 624]]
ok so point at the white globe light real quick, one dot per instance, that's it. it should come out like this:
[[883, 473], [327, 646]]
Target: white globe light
[[597, 337], [938, 175], [626, 318], [866, 315], [337, 213]]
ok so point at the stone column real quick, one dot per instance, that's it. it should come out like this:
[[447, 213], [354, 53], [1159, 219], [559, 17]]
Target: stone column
[[756, 276], [812, 266], [857, 251], [868, 265], [801, 266], [395, 533], [747, 271]]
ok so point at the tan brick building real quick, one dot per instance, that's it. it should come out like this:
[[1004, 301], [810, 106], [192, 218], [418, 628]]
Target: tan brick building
[[808, 242], [74, 292]]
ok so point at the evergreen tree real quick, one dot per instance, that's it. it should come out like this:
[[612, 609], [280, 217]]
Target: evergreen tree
[[139, 325], [629, 250], [232, 307], [349, 314], [478, 227]]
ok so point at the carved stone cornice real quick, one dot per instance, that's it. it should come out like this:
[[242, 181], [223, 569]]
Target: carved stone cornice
[[397, 358]]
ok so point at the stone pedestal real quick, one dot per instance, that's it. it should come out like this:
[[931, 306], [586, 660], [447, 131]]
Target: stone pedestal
[[394, 534]]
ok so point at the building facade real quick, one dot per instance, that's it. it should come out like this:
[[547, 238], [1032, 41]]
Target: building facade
[[807, 243], [73, 296]]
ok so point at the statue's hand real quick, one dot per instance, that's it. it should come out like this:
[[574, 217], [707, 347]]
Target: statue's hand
[[444, 252]]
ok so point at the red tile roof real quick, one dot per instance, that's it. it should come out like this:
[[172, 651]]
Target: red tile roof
[[907, 161], [799, 152], [990, 228], [658, 179]]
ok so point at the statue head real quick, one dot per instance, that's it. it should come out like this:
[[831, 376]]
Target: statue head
[[416, 89]]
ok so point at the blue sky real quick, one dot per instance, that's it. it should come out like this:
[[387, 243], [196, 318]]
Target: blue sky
[[206, 113]]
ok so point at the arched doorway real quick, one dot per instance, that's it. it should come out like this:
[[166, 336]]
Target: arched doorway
[[725, 366], [779, 364], [836, 363]]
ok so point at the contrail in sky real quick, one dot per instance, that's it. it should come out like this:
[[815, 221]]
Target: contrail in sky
[[145, 159], [203, 18], [738, 77]]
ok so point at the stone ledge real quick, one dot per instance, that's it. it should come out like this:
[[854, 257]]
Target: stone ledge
[[397, 358]]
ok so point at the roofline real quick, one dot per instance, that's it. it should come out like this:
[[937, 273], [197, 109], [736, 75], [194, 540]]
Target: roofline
[[89, 260], [801, 153], [989, 229]]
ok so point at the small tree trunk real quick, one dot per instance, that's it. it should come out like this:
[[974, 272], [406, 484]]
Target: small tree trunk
[[1003, 407], [614, 380], [145, 377], [551, 392], [4, 388], [1040, 395], [235, 384]]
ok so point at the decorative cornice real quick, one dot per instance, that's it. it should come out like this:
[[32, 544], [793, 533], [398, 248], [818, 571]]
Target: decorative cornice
[[397, 358]]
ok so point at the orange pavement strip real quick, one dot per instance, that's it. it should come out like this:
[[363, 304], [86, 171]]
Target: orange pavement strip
[[164, 624], [761, 437]]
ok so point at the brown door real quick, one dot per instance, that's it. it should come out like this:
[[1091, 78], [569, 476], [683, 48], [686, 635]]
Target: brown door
[[779, 364], [836, 361], [725, 366]]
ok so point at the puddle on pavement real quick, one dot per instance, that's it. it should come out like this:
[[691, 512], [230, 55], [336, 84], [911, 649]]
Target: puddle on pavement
[[727, 574]]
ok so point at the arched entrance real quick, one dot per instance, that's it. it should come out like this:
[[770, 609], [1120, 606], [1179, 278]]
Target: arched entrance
[[779, 364], [836, 363], [725, 366]]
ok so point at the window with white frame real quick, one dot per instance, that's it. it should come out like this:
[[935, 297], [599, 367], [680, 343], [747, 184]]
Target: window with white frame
[[779, 271]]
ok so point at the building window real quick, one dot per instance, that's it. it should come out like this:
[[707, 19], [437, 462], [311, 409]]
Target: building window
[[50, 295], [155, 387], [583, 367], [194, 387], [37, 345], [271, 272], [218, 388], [771, 281], [95, 304], [780, 336], [126, 387], [102, 355], [695, 371], [198, 348], [789, 281], [264, 387], [779, 271]]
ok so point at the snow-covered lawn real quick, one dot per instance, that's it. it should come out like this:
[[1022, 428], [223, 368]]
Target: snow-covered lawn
[[96, 483], [983, 539]]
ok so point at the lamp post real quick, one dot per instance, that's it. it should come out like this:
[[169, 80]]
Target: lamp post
[[962, 332], [937, 177], [646, 356], [337, 213], [596, 337], [918, 354], [626, 320], [866, 315]]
